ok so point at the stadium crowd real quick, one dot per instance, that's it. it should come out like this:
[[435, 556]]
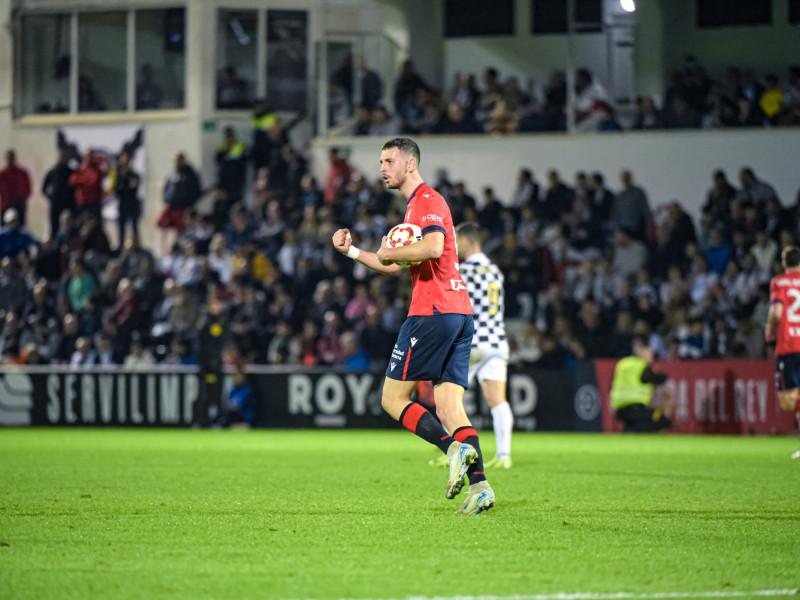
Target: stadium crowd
[[586, 266], [692, 99]]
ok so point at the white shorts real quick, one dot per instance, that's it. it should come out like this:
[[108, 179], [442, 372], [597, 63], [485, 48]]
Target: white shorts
[[487, 366]]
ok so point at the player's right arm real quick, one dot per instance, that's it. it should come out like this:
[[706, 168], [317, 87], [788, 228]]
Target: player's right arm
[[775, 313], [342, 242]]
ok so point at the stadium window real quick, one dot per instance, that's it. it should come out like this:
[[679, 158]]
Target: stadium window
[[550, 16], [287, 59], [160, 59], [43, 78], [794, 12], [102, 61], [723, 13], [465, 18], [237, 56], [97, 61]]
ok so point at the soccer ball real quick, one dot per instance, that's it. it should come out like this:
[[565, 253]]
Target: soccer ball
[[404, 234]]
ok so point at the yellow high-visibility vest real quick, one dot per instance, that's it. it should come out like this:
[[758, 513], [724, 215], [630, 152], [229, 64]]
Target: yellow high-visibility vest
[[627, 387]]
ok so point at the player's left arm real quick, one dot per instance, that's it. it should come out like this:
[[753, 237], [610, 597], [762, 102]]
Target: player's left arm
[[430, 247]]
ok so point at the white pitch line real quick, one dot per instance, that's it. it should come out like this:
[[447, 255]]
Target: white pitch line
[[611, 596], [621, 595]]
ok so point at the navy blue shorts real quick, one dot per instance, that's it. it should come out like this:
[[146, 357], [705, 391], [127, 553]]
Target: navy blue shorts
[[787, 372], [433, 348]]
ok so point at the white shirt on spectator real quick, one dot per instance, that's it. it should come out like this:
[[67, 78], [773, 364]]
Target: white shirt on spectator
[[765, 255], [223, 265], [701, 283]]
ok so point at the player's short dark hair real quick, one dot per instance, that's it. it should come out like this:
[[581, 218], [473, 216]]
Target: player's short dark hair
[[406, 145], [640, 341], [791, 256], [471, 231]]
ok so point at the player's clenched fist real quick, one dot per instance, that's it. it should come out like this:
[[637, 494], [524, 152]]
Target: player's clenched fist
[[381, 253], [341, 240]]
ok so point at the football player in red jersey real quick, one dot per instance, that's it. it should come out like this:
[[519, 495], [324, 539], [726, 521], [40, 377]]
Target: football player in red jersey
[[434, 342], [783, 327]]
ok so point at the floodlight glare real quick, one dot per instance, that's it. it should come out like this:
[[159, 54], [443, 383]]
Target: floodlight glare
[[627, 5]]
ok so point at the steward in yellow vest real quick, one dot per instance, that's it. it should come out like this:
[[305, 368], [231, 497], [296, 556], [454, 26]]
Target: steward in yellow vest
[[632, 391]]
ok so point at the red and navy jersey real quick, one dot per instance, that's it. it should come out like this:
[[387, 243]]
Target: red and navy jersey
[[785, 289], [436, 285]]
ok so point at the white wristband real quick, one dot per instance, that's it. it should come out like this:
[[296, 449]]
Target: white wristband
[[353, 252]]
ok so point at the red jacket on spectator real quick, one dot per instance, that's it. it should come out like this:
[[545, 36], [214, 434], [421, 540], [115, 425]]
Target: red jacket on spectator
[[15, 187], [338, 175], [88, 183]]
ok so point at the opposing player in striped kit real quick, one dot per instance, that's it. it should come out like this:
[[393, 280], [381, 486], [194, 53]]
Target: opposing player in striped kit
[[488, 360]]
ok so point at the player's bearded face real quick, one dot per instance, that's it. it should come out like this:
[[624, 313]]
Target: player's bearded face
[[394, 166]]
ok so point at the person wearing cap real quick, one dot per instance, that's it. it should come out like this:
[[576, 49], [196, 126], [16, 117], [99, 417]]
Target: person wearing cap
[[14, 238]]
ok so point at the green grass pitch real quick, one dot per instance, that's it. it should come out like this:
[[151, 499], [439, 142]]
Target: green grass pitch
[[360, 514]]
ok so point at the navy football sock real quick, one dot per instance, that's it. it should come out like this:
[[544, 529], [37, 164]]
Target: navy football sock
[[468, 435], [422, 423]]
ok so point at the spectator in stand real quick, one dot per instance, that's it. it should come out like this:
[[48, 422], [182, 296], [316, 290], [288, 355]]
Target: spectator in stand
[[406, 88], [14, 238], [771, 101], [140, 358], [601, 199], [526, 194], [557, 199], [15, 187], [84, 354], [383, 123], [630, 254], [490, 216], [702, 279], [460, 202], [133, 255], [92, 238], [647, 115], [263, 121], [231, 160], [590, 99], [339, 173], [682, 115], [608, 120], [502, 120], [13, 289], [555, 102], [720, 196], [590, 331], [456, 121], [186, 266], [631, 210], [87, 183], [104, 353], [126, 189], [754, 190], [765, 251], [718, 251], [490, 97], [468, 95], [57, 190], [240, 231], [182, 190]]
